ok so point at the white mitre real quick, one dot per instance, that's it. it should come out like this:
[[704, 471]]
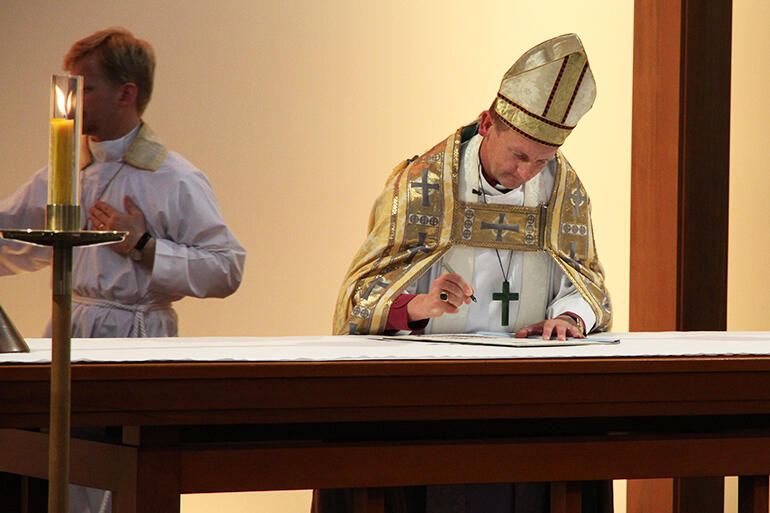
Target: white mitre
[[547, 90]]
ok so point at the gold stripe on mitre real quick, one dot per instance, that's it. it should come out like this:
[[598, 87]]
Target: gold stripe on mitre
[[565, 87], [530, 125]]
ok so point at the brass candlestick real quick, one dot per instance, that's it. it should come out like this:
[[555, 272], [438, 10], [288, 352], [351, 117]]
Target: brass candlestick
[[63, 232]]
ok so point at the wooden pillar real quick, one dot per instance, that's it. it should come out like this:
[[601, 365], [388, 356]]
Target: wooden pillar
[[680, 153]]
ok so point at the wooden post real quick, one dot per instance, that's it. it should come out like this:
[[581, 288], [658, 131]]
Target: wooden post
[[680, 153]]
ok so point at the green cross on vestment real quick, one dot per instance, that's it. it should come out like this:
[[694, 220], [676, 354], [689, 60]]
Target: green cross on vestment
[[506, 296]]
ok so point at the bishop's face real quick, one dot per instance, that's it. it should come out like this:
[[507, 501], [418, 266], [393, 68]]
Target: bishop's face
[[509, 158], [100, 100]]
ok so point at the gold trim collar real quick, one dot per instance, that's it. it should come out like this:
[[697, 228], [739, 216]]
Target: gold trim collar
[[146, 152]]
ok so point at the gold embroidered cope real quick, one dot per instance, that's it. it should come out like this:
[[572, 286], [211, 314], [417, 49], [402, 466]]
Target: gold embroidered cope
[[418, 218]]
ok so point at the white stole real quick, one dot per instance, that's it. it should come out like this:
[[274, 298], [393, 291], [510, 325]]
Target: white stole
[[535, 265]]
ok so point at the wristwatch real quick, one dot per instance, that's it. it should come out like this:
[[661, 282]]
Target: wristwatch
[[136, 253]]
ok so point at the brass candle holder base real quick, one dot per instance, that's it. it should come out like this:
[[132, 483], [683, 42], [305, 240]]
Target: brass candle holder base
[[61, 336], [62, 217], [63, 238]]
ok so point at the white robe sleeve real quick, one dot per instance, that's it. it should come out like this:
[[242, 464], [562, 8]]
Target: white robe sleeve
[[567, 298], [195, 252], [23, 209]]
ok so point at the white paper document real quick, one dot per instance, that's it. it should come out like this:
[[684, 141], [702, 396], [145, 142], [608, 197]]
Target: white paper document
[[489, 338]]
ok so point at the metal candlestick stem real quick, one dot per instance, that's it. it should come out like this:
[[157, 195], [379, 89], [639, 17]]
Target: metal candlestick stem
[[61, 324]]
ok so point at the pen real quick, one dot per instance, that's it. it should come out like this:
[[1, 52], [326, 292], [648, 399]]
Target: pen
[[449, 268]]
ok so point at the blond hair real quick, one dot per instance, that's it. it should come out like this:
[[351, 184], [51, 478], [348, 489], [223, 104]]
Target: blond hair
[[123, 58]]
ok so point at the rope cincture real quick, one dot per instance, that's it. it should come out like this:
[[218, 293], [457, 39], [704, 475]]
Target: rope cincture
[[138, 328]]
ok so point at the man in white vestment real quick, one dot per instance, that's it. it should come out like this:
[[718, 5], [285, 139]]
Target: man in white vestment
[[488, 231], [178, 243]]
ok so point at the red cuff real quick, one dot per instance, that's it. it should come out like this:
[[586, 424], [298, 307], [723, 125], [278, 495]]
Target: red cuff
[[398, 319]]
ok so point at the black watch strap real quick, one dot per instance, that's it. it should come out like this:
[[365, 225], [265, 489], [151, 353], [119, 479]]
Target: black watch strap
[[143, 240]]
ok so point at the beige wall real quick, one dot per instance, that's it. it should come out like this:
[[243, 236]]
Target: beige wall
[[748, 284], [297, 111]]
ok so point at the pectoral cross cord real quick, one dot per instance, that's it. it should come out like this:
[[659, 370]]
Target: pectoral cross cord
[[506, 296]]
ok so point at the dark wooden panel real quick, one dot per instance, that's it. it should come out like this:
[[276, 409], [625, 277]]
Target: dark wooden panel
[[379, 463], [566, 497], [753, 494], [341, 391], [704, 164], [699, 494], [157, 486]]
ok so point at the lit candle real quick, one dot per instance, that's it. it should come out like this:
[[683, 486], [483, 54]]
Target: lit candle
[[62, 213], [62, 161]]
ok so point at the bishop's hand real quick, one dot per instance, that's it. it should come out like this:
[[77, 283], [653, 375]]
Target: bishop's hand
[[447, 293], [561, 327]]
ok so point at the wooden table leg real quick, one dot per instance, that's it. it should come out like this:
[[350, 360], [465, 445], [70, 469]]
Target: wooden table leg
[[650, 496], [753, 494], [677, 495], [699, 494], [158, 481], [13, 492], [566, 497], [368, 500]]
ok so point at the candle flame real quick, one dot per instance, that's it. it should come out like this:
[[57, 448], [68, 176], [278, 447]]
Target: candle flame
[[60, 102], [65, 106]]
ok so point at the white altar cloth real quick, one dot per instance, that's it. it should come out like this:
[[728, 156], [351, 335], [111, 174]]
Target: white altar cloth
[[338, 348]]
